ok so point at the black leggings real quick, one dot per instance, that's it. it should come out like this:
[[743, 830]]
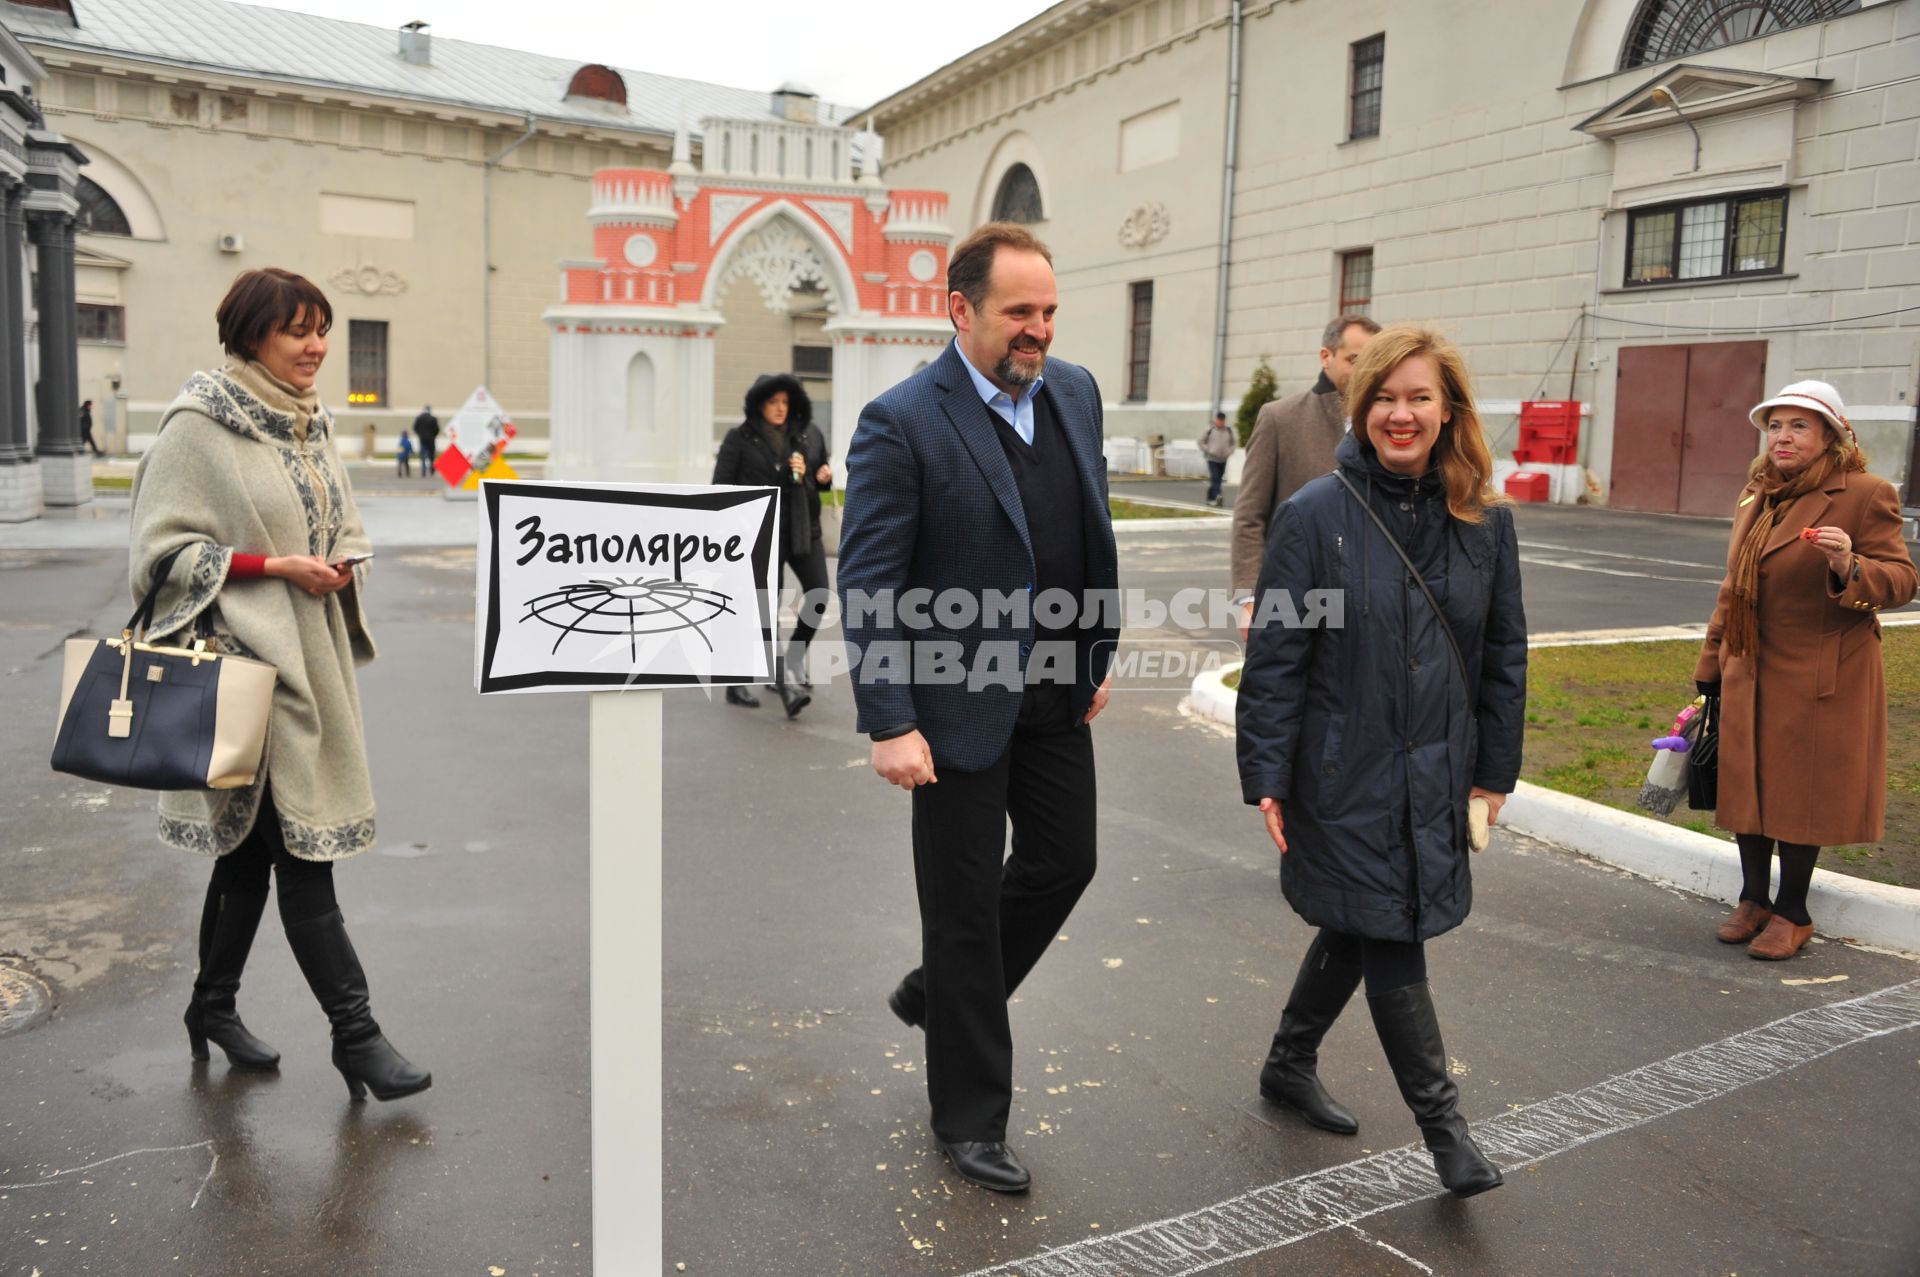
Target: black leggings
[[306, 886], [1386, 964], [810, 570], [1796, 875]]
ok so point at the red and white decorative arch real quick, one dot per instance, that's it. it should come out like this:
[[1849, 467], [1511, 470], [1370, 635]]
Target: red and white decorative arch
[[777, 202]]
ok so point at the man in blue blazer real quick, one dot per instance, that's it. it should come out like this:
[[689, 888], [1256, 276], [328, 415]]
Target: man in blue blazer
[[979, 592]]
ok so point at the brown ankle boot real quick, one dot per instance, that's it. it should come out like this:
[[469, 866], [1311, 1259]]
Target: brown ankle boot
[[1748, 921], [1781, 940]]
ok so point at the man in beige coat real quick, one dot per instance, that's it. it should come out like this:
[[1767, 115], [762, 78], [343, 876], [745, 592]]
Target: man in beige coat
[[1292, 442]]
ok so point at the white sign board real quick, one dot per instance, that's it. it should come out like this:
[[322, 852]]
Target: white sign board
[[585, 586], [479, 429]]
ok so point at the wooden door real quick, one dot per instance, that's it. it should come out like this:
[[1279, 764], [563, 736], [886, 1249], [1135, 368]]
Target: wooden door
[[1681, 438], [1649, 425], [1724, 380]]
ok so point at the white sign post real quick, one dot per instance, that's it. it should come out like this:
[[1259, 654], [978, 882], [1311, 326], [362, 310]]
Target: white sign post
[[624, 588]]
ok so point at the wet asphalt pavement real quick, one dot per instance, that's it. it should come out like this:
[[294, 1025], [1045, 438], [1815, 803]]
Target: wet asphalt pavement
[[795, 1103]]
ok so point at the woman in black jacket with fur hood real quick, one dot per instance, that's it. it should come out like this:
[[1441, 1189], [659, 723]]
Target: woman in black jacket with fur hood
[[1368, 741], [777, 445]]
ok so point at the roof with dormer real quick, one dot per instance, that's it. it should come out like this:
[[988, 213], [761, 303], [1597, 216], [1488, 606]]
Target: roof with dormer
[[242, 40]]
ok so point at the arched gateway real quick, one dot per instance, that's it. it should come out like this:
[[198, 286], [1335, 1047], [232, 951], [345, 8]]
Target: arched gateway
[[774, 217]]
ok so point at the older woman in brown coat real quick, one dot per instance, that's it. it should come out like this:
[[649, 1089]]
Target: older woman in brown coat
[[1794, 652]]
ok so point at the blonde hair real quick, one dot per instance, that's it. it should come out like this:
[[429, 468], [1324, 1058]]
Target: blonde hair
[[1465, 460]]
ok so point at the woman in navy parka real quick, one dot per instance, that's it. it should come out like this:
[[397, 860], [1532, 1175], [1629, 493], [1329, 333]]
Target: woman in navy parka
[[1359, 739]]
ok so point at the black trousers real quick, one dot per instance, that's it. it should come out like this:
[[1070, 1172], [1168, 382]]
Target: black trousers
[[305, 886], [810, 570], [986, 918]]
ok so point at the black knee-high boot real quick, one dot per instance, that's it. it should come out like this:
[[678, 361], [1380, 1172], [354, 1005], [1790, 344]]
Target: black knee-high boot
[[227, 926], [364, 1057], [1326, 981], [1410, 1032]]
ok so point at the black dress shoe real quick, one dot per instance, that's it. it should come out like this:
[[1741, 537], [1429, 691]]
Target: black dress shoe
[[911, 1009], [737, 695], [988, 1163]]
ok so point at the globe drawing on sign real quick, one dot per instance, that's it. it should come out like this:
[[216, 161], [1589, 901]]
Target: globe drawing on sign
[[620, 607]]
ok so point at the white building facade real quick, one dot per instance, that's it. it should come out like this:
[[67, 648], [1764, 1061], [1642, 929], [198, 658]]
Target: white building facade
[[1656, 207], [427, 185]]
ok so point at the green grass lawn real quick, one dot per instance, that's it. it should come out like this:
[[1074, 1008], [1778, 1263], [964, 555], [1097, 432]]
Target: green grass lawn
[[1125, 509], [1591, 712]]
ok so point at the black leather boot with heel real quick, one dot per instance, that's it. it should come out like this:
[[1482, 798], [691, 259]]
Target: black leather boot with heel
[[1410, 1032], [227, 926], [362, 1054], [1291, 1077]]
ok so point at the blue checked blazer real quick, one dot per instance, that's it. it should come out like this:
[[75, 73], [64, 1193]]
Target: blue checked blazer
[[932, 504]]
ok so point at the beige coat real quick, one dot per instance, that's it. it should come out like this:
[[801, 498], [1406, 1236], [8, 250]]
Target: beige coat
[[1292, 441], [241, 466], [1803, 732]]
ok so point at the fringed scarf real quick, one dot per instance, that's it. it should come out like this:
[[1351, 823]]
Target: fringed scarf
[[1776, 494]]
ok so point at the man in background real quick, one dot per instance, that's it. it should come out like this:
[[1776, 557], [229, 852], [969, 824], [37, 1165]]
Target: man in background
[[1216, 445], [86, 428], [426, 428], [1292, 442]]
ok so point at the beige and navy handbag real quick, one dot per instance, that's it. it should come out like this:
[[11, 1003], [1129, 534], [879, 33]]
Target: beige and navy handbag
[[156, 717]]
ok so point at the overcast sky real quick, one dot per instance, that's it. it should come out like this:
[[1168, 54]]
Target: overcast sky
[[853, 52]]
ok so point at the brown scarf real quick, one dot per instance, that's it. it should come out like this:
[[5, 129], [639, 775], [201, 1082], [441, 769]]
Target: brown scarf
[[1776, 493]]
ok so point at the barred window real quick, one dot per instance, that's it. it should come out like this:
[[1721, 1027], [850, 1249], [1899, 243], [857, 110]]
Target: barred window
[[1707, 239], [1369, 68], [1139, 341], [105, 324], [367, 363], [813, 361], [1356, 282]]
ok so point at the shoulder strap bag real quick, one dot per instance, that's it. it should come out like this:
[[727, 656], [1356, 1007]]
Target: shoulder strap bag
[[1477, 822], [1459, 661], [157, 717], [1703, 760]]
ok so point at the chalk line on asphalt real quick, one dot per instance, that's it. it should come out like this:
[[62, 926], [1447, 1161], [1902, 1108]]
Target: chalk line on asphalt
[[1337, 1197], [53, 1177]]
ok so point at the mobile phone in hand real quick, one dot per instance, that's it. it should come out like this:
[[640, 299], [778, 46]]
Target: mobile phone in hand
[[352, 559]]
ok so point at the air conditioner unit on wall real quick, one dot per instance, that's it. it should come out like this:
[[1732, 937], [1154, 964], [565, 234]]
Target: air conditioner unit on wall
[[232, 242]]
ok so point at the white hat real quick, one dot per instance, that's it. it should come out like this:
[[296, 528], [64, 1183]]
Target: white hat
[[1817, 395]]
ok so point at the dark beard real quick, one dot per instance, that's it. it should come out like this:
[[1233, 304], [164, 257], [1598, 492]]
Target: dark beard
[[1013, 374]]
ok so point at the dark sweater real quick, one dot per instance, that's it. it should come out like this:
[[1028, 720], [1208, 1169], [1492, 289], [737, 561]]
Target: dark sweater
[[1049, 486]]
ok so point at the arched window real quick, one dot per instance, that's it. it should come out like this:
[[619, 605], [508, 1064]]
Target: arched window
[[1667, 29], [596, 81], [99, 215], [1018, 199]]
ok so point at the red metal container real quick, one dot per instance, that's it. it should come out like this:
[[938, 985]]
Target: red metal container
[[1529, 485], [1549, 432]]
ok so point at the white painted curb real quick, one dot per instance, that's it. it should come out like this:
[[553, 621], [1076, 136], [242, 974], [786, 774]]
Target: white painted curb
[[1211, 697], [1843, 907]]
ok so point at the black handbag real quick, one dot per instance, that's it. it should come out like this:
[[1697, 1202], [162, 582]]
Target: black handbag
[[158, 717], [1703, 760]]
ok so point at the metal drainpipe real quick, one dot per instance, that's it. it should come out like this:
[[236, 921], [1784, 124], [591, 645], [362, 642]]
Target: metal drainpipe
[[1226, 205], [486, 254]]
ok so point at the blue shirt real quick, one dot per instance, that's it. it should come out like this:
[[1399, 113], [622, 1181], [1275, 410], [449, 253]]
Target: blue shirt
[[1017, 413]]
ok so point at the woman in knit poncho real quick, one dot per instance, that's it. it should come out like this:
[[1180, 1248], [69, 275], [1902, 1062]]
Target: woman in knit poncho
[[246, 478]]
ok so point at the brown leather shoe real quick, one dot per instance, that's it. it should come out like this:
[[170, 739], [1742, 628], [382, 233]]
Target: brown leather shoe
[[1748, 921], [1781, 940]]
